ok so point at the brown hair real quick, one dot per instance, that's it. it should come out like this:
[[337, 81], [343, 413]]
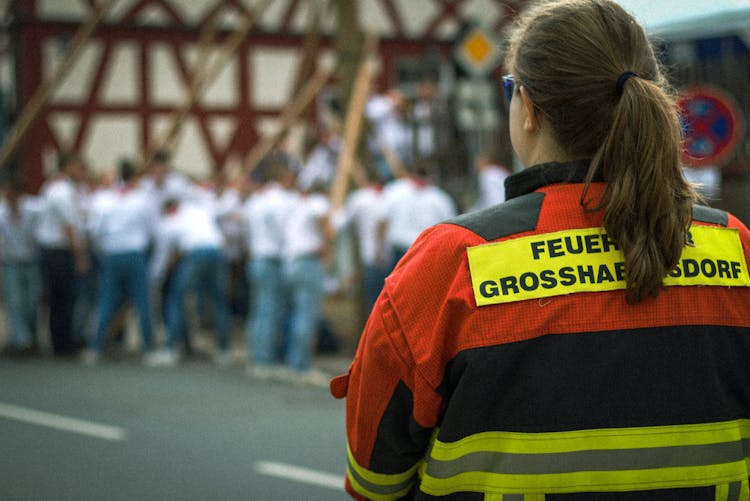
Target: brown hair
[[569, 56]]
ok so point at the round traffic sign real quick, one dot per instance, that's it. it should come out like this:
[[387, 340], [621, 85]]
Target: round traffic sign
[[712, 124]]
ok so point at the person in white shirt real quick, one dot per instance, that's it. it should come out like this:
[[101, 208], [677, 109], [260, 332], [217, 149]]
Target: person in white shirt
[[320, 165], [267, 212], [306, 237], [19, 255], [231, 196], [122, 229], [189, 237], [490, 181], [362, 211], [63, 249], [84, 313], [390, 138], [164, 183], [411, 205], [425, 116]]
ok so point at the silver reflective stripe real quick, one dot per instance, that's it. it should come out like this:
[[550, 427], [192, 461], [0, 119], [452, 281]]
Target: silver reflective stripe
[[734, 491], [379, 488], [738, 491], [591, 460]]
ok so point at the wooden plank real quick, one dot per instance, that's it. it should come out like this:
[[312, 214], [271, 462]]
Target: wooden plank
[[287, 118], [305, 68], [353, 123], [167, 139], [203, 79], [393, 160], [311, 44]]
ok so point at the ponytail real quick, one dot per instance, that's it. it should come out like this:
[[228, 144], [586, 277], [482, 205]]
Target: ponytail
[[647, 202], [591, 70]]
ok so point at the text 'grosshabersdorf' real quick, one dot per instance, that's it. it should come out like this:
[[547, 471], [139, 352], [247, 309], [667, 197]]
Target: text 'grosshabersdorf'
[[588, 260]]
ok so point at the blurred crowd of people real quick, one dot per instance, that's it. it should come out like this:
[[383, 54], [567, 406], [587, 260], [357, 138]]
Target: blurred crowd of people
[[255, 251]]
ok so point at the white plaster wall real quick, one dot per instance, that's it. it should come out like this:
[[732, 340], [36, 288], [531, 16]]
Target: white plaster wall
[[111, 138], [165, 85], [120, 84], [190, 155], [222, 91], [272, 73], [65, 126], [415, 14], [77, 81]]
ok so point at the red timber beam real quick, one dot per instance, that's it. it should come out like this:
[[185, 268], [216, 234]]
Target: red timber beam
[[31, 34]]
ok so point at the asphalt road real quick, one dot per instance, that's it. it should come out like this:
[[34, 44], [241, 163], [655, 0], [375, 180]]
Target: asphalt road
[[121, 431]]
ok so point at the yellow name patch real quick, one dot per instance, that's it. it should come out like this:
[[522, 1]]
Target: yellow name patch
[[587, 260]]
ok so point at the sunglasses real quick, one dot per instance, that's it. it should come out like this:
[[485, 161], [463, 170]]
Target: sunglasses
[[508, 85]]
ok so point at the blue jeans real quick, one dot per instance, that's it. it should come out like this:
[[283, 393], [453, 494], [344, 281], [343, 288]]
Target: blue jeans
[[123, 275], [207, 269], [303, 280], [22, 286], [264, 324], [373, 279]]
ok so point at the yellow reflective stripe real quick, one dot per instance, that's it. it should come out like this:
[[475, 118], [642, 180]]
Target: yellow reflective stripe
[[370, 494], [591, 460], [744, 491], [722, 492], [660, 478], [588, 440], [379, 486]]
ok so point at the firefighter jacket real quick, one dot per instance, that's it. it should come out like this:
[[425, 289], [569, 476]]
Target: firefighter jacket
[[502, 361]]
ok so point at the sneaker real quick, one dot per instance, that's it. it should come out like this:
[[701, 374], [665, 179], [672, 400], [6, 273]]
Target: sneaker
[[259, 372], [266, 372], [161, 358], [223, 358], [312, 377], [91, 358], [149, 359]]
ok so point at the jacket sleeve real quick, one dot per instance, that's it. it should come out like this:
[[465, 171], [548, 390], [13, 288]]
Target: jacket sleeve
[[386, 444], [394, 390]]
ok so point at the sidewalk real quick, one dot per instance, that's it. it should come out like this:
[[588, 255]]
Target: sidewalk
[[338, 313]]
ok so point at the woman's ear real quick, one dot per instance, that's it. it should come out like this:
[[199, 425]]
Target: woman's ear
[[531, 121]]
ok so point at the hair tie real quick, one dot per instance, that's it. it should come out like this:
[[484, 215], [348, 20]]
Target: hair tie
[[622, 79]]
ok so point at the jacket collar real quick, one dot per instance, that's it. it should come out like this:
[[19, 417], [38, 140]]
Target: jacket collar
[[538, 176]]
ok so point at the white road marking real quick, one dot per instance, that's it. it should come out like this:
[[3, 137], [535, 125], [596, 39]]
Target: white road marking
[[31, 416], [300, 474]]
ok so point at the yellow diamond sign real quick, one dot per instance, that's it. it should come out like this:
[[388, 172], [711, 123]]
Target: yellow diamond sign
[[477, 47], [477, 51]]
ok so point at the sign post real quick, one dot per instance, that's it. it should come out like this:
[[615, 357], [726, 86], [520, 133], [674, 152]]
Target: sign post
[[478, 53]]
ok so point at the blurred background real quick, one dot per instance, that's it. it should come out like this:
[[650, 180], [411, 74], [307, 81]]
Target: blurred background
[[221, 84], [134, 71]]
